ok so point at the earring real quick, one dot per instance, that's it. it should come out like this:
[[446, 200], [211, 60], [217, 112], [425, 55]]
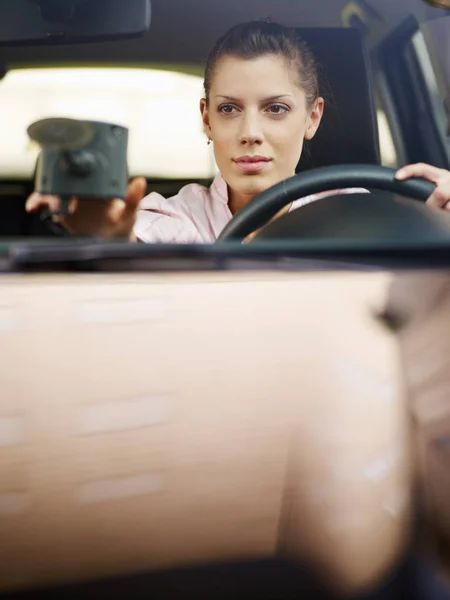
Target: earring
[[209, 141]]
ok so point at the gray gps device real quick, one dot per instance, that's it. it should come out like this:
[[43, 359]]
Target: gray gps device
[[87, 159]]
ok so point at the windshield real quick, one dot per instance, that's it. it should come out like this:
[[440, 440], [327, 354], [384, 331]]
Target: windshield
[[384, 96], [160, 108]]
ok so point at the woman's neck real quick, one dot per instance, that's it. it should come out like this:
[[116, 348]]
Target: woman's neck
[[237, 201]]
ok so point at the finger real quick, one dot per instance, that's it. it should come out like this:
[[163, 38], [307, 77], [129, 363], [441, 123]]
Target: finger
[[64, 220], [115, 210], [136, 191], [32, 202], [433, 174], [37, 201], [73, 205], [441, 195]]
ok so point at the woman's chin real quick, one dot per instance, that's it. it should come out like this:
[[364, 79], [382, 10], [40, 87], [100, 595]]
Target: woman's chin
[[252, 185]]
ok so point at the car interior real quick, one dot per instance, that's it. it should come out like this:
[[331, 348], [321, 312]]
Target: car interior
[[353, 273], [386, 55]]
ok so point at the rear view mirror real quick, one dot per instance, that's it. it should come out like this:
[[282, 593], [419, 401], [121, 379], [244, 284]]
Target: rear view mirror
[[33, 22]]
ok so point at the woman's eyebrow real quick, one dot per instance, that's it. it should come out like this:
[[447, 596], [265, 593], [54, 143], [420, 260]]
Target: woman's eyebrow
[[269, 99], [227, 97], [278, 97]]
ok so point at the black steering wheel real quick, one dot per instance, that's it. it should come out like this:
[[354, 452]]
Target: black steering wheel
[[263, 207]]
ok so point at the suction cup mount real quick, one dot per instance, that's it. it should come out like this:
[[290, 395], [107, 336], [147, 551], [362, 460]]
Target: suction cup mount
[[62, 134]]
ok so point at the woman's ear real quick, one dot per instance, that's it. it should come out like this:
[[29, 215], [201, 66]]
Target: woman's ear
[[314, 119], [205, 117]]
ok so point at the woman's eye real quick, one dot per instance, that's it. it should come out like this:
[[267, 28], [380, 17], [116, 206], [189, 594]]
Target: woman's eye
[[278, 109], [227, 109]]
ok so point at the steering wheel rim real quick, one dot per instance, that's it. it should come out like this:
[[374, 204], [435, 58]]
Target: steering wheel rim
[[266, 205]]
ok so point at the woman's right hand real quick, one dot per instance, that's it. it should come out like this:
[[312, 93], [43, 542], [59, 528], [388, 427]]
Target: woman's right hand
[[109, 219]]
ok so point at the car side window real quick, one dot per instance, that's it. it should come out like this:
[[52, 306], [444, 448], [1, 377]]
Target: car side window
[[432, 49]]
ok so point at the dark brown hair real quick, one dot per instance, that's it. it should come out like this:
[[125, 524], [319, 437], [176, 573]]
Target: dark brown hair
[[260, 38]]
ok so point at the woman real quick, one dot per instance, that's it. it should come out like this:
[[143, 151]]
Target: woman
[[261, 102]]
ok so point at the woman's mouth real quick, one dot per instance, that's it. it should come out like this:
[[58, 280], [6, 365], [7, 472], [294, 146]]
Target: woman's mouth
[[252, 164]]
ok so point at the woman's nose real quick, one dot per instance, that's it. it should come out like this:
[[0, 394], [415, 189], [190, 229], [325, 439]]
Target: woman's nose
[[251, 132]]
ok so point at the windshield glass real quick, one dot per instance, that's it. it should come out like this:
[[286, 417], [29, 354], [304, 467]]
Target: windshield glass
[[159, 107]]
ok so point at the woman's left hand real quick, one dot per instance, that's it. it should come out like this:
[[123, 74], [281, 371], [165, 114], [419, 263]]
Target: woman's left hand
[[440, 198]]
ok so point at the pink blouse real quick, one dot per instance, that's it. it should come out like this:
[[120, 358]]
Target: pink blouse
[[197, 214]]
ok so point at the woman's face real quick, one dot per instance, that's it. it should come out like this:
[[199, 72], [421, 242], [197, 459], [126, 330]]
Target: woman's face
[[257, 118]]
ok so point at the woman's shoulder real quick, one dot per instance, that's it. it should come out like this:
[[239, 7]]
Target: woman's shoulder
[[216, 191], [194, 214]]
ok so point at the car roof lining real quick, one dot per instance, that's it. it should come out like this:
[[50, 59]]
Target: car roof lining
[[186, 40], [181, 41]]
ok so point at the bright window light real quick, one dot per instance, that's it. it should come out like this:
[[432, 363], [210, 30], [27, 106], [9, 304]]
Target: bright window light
[[388, 152], [160, 108]]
